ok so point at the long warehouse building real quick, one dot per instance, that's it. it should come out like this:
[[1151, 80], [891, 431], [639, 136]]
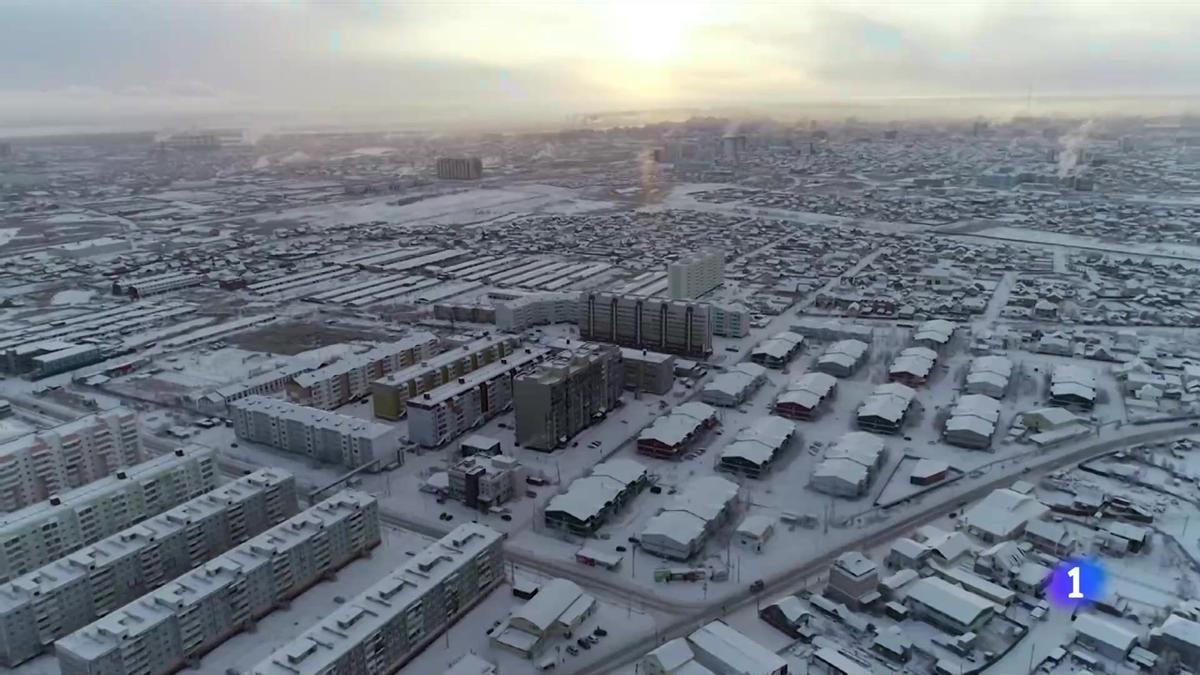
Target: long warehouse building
[[45, 532], [381, 629], [36, 466], [40, 607], [165, 629]]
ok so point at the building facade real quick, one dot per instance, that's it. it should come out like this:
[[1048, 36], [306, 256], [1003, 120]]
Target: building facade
[[390, 394], [670, 326], [459, 168], [561, 397], [34, 467], [350, 378], [42, 533], [483, 481], [445, 413], [38, 608], [648, 371], [325, 436], [166, 628], [393, 620], [695, 275]]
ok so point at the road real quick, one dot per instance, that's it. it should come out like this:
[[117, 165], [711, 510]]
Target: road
[[785, 581]]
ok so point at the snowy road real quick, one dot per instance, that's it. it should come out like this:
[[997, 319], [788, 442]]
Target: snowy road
[[786, 581]]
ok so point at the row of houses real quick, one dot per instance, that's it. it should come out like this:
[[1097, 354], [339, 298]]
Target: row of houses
[[590, 501], [843, 358], [849, 465], [778, 350], [735, 386], [885, 410], [973, 422], [680, 529], [669, 437]]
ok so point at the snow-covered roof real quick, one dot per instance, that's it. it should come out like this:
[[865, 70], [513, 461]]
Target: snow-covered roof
[[844, 470], [852, 348], [1003, 512], [858, 446], [696, 410], [817, 383], [916, 361], [738, 653], [888, 401], [978, 405], [946, 598], [586, 497], [771, 429], [681, 527], [1054, 415], [792, 609], [1085, 392], [1000, 365], [1181, 629], [1105, 632], [672, 654], [554, 598], [622, 469], [779, 345], [800, 397], [756, 525], [855, 563]]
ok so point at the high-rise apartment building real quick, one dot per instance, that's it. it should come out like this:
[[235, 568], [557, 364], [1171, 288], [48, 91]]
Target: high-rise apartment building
[[45, 532], [166, 628], [390, 395], [441, 415], [694, 275], [325, 436], [459, 168], [68, 456], [388, 624], [671, 326], [563, 396], [350, 377], [40, 607]]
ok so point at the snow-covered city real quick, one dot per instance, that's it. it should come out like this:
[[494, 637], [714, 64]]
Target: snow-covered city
[[703, 397]]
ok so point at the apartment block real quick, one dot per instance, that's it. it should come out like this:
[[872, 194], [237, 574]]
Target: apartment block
[[381, 629], [325, 436], [167, 628], [671, 326], [441, 415], [539, 309], [695, 275], [350, 377], [648, 371], [730, 320], [40, 607], [484, 481], [45, 532], [390, 395], [565, 395], [68, 456]]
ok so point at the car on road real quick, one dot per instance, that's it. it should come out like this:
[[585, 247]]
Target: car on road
[[572, 650], [757, 586], [600, 631]]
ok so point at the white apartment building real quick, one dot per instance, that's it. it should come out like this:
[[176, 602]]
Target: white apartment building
[[441, 415], [390, 394], [389, 623], [34, 467], [694, 275], [44, 532], [730, 320], [40, 607], [538, 309], [166, 628], [322, 435], [350, 377]]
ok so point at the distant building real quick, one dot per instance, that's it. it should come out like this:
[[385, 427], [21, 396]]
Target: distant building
[[693, 276], [322, 435], [459, 168], [722, 649], [681, 528], [730, 320], [350, 377], [951, 608], [670, 326], [559, 608], [538, 309], [563, 396], [390, 394]]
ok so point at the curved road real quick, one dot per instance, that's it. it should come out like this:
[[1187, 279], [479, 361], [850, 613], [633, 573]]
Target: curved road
[[781, 582]]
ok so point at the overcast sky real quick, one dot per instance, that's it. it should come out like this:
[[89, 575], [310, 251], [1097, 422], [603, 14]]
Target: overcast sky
[[149, 59]]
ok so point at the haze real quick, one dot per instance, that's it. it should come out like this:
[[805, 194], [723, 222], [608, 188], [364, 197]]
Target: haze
[[129, 64]]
